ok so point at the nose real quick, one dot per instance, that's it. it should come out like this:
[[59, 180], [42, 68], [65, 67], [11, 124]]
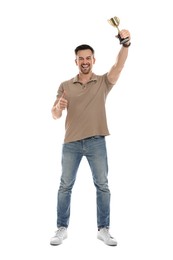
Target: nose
[[85, 61]]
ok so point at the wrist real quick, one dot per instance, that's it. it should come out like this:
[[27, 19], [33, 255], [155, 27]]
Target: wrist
[[126, 45]]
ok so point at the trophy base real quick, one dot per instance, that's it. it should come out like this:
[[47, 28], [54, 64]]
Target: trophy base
[[122, 40]]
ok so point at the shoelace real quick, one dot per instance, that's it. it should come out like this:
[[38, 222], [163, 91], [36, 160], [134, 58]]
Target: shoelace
[[59, 232], [107, 234]]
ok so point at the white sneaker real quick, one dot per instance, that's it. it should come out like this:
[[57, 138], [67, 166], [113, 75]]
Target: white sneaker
[[60, 235], [103, 234]]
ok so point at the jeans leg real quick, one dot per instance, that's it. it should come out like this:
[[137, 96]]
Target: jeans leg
[[71, 157], [97, 158]]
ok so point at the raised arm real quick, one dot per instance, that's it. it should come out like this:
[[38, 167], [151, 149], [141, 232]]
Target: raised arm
[[116, 69]]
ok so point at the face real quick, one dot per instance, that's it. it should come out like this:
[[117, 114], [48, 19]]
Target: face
[[84, 61]]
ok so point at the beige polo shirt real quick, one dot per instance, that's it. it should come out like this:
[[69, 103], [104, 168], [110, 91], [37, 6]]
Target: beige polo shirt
[[86, 112]]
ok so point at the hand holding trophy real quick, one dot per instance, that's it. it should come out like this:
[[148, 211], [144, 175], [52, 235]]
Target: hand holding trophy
[[115, 21]]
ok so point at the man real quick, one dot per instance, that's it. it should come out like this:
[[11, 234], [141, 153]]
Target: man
[[83, 97]]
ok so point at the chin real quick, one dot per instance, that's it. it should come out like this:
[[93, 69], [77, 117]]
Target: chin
[[85, 71]]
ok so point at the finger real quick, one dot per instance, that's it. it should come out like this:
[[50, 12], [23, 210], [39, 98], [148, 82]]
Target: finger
[[63, 94]]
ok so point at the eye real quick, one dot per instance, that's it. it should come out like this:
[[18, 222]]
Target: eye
[[88, 58]]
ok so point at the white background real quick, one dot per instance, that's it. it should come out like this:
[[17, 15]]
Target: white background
[[37, 45]]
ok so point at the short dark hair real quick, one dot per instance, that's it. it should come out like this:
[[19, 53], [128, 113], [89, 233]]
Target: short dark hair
[[83, 47]]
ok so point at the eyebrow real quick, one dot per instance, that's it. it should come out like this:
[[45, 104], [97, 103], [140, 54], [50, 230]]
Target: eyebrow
[[80, 57]]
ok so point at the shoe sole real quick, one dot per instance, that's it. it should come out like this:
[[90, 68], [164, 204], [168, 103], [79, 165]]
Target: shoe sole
[[107, 243], [55, 244]]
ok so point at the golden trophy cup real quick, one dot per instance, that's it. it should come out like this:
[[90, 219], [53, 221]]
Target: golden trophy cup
[[115, 21]]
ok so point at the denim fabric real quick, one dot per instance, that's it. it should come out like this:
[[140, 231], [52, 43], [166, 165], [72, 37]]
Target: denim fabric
[[94, 148]]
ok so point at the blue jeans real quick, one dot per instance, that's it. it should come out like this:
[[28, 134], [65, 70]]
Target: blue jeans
[[94, 148]]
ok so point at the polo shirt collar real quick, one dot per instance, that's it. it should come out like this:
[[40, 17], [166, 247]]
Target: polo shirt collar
[[93, 78]]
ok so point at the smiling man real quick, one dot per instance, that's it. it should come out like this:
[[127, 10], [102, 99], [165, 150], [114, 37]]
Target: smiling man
[[84, 97]]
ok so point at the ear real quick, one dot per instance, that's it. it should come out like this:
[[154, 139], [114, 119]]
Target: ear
[[76, 61]]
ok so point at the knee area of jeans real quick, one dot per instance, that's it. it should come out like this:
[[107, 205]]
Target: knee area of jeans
[[64, 188], [103, 187]]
